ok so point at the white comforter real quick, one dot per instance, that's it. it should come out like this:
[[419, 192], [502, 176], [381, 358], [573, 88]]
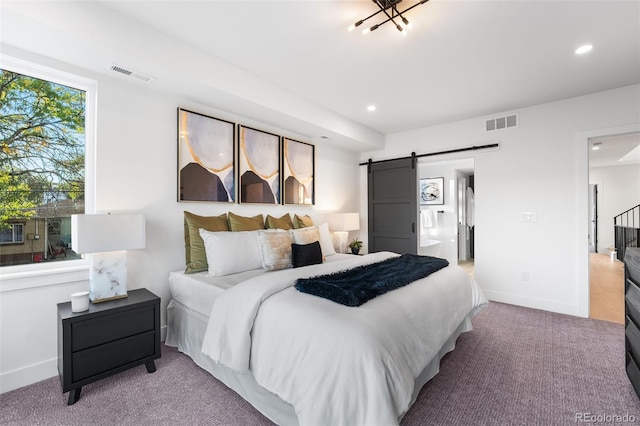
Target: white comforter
[[338, 365]]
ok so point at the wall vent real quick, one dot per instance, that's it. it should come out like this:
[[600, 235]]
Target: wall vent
[[499, 123], [131, 73]]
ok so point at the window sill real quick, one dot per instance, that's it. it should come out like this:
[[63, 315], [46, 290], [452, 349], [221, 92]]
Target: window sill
[[23, 277]]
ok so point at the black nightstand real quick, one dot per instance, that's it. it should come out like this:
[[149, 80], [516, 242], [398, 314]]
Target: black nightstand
[[108, 338]]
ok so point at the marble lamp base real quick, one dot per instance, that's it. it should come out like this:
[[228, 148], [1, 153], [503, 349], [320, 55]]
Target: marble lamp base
[[340, 240], [108, 276]]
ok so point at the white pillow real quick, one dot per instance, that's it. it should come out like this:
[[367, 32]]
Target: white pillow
[[326, 242], [231, 252], [275, 246]]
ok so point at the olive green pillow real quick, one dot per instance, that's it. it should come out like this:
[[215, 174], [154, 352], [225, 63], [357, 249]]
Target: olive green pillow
[[283, 222], [195, 255], [241, 223], [302, 221]]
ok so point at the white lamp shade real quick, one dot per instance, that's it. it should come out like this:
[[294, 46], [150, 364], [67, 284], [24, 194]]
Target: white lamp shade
[[97, 233], [344, 221]]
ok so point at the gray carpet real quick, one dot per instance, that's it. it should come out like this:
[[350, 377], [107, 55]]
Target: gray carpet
[[518, 367]]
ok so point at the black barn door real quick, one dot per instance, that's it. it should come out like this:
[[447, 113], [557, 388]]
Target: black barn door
[[393, 197]]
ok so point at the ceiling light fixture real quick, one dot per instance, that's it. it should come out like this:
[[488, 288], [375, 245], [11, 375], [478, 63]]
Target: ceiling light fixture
[[584, 49], [596, 146], [371, 108], [390, 9]]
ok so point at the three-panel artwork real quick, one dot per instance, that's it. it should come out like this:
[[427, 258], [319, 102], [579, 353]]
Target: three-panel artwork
[[261, 167]]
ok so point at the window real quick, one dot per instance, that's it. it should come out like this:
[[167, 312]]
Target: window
[[12, 233], [43, 150]]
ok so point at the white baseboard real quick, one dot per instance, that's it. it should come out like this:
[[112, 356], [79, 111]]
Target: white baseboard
[[28, 375], [534, 303], [37, 372]]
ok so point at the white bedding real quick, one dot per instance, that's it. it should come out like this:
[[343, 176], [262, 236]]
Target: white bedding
[[338, 365], [198, 291]]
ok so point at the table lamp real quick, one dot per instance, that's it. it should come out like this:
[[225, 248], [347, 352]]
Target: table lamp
[[341, 224], [106, 237]]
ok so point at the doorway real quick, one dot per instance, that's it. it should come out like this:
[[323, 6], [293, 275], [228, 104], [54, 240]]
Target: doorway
[[447, 227], [611, 161]]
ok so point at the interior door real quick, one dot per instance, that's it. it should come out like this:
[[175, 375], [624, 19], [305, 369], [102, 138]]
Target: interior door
[[393, 206], [463, 234], [593, 218]]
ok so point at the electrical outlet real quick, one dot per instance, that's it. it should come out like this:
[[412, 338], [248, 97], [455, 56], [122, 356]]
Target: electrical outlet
[[524, 275], [528, 217]]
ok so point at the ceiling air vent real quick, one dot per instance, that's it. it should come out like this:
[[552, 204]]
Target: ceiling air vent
[[131, 73], [499, 123]]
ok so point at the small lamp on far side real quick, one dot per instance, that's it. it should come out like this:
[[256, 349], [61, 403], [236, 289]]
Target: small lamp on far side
[[341, 224]]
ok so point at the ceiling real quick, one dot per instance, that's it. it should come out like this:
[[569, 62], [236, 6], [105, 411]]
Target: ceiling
[[617, 150], [462, 59]]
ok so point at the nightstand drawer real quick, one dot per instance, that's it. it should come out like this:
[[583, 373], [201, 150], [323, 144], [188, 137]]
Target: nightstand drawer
[[92, 361], [98, 331]]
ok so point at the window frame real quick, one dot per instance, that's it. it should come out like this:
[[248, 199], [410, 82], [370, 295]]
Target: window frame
[[13, 232], [18, 277]]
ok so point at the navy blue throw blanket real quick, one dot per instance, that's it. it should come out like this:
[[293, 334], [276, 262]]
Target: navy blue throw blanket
[[356, 286]]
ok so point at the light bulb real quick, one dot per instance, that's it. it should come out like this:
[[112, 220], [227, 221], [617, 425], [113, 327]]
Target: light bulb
[[584, 49]]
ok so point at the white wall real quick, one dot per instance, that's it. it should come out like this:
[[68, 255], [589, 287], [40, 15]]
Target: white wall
[[537, 168], [618, 191], [135, 171]]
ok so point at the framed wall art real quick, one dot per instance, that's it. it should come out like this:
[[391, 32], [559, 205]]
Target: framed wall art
[[298, 168], [259, 166], [432, 191], [205, 158]]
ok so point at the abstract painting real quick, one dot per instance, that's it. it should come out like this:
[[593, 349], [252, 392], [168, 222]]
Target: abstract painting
[[298, 170], [432, 191], [259, 166], [205, 158]]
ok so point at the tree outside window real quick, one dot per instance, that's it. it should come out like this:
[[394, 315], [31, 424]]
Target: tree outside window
[[42, 167]]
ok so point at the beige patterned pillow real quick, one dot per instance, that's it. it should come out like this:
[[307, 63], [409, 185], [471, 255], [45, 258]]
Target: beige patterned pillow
[[305, 235], [275, 248]]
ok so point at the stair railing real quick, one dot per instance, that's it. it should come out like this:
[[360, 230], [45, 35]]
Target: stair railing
[[626, 227]]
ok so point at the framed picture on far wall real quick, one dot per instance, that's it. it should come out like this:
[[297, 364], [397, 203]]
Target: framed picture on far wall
[[432, 191], [259, 166], [298, 167], [205, 158]]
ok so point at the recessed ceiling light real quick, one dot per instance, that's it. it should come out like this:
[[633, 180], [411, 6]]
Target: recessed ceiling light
[[584, 49], [371, 108]]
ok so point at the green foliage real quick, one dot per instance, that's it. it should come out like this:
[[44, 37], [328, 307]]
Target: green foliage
[[41, 142], [14, 199], [356, 243]]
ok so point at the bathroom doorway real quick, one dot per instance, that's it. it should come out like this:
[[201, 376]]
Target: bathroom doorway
[[444, 229]]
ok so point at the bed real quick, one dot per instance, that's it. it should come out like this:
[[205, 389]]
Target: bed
[[302, 359]]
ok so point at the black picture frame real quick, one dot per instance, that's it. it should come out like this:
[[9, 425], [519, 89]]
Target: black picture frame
[[206, 160], [298, 172], [259, 166]]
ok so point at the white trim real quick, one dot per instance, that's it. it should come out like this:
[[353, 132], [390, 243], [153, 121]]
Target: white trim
[[28, 375], [582, 215], [22, 277], [32, 275], [532, 302]]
